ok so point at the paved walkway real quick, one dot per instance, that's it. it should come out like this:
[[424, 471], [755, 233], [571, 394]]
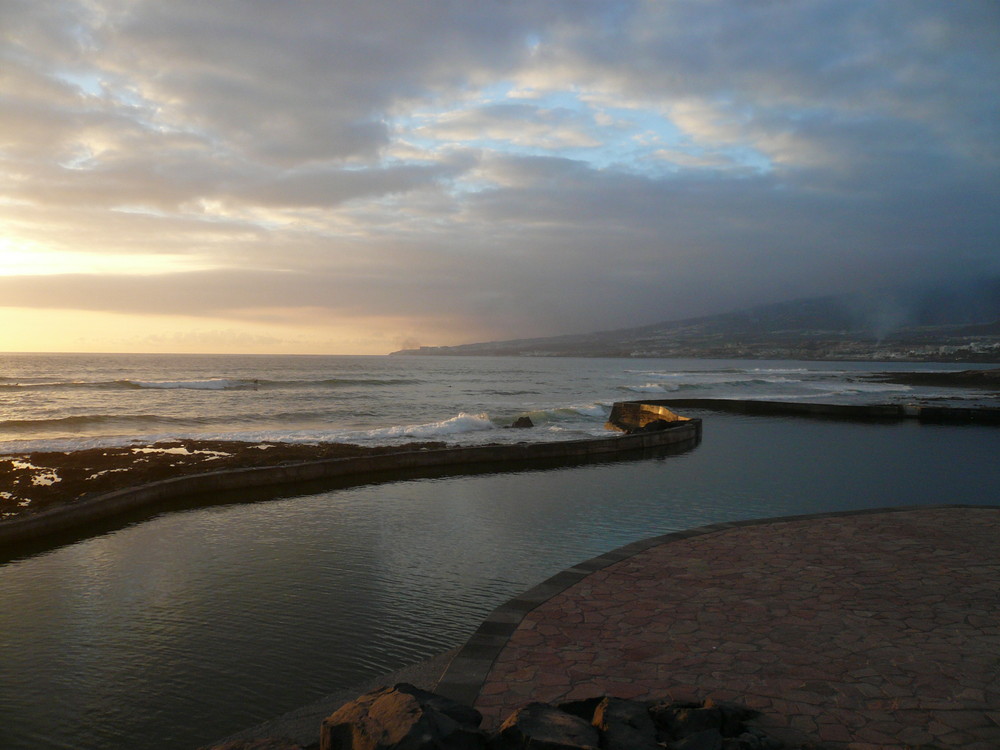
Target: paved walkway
[[864, 630]]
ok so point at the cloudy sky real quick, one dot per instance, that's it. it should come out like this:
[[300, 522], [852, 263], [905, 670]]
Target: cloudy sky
[[320, 176]]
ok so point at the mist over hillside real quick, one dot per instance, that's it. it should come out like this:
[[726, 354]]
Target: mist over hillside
[[957, 322]]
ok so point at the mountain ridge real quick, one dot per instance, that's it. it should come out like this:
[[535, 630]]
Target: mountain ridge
[[957, 322]]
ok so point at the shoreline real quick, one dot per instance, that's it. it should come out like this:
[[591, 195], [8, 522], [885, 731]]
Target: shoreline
[[40, 480]]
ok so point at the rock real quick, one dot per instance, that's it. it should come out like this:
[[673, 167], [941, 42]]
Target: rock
[[584, 708], [262, 743], [625, 725], [539, 726], [523, 423], [678, 720], [734, 716], [707, 739], [402, 717]]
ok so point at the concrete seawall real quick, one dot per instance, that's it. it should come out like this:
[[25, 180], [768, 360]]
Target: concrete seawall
[[631, 414], [107, 506]]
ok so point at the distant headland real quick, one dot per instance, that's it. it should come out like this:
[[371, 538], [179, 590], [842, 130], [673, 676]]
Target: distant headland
[[955, 324]]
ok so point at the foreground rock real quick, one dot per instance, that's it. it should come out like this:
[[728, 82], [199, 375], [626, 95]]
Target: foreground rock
[[539, 725], [407, 718], [266, 743], [403, 717]]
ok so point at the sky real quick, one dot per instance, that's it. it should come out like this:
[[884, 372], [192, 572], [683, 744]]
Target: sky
[[309, 176]]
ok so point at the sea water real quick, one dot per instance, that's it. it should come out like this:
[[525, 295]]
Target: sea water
[[179, 630], [67, 401]]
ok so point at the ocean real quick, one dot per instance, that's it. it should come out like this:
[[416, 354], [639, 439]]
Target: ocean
[[178, 630], [69, 401]]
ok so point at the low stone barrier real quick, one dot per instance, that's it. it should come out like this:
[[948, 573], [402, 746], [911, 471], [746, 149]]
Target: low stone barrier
[[102, 507], [629, 415], [632, 416]]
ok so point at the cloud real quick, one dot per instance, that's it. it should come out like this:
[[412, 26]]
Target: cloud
[[493, 169], [521, 125]]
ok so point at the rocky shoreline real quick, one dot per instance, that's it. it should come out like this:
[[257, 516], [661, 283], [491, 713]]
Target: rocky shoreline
[[39, 481], [404, 717]]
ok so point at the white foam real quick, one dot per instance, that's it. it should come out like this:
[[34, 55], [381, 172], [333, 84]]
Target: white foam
[[21, 464], [879, 387], [106, 471], [593, 410], [213, 384], [653, 388], [662, 375], [45, 479], [181, 451], [457, 425]]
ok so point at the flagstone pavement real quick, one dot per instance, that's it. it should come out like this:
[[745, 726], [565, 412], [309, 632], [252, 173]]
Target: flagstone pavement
[[853, 631]]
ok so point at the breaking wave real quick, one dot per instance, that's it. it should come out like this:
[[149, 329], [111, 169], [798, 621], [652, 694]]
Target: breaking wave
[[457, 425], [209, 384], [90, 422]]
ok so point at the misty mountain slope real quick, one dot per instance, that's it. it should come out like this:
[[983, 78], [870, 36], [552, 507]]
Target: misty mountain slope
[[958, 322]]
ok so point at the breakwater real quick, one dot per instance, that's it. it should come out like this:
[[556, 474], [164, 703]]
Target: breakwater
[[632, 414], [38, 526]]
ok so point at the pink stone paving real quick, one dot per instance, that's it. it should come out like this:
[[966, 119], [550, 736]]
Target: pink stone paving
[[861, 631]]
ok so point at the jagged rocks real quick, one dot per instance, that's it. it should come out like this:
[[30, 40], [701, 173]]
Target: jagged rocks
[[539, 726], [625, 725], [404, 718], [708, 726], [262, 743]]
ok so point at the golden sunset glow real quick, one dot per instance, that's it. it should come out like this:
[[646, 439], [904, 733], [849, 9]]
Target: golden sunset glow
[[31, 330]]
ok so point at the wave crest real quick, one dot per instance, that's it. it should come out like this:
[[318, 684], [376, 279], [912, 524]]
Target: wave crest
[[456, 425], [208, 384]]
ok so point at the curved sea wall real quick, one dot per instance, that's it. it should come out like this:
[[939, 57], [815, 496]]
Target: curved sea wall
[[99, 508]]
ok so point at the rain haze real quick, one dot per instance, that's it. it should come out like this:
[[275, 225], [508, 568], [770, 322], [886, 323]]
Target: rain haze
[[359, 177]]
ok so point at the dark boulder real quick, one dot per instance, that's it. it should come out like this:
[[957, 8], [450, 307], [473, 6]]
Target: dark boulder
[[583, 708], [523, 423], [707, 739], [734, 716], [402, 717], [625, 725], [261, 743], [539, 726], [407, 718], [712, 725], [678, 720]]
